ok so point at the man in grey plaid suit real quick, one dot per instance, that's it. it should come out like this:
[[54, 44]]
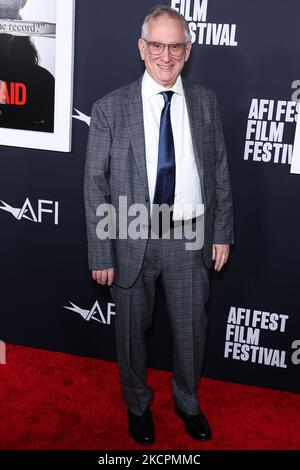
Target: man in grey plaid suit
[[160, 123]]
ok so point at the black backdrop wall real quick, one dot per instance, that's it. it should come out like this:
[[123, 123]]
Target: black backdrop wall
[[248, 51]]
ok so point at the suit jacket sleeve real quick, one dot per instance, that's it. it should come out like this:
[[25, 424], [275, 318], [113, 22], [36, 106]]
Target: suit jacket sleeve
[[223, 227], [97, 189]]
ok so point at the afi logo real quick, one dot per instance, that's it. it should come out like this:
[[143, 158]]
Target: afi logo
[[95, 313], [27, 212], [82, 117]]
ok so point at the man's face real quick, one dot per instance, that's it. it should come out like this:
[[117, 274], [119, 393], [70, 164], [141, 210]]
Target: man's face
[[164, 68]]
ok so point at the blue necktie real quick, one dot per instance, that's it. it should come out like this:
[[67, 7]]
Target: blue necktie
[[165, 179]]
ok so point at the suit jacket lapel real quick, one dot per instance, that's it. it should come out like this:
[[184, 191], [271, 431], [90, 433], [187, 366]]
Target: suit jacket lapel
[[195, 119], [133, 110]]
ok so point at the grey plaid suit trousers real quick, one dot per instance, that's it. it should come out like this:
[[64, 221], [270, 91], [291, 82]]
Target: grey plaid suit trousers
[[185, 280]]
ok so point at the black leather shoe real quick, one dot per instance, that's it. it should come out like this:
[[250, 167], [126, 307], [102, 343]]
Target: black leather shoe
[[196, 425], [141, 428]]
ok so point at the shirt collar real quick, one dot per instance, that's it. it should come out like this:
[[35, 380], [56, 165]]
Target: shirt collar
[[150, 87]]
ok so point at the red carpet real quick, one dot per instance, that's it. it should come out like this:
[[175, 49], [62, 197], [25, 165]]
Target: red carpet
[[58, 401]]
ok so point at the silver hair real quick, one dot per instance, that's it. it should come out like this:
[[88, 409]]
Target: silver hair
[[160, 10]]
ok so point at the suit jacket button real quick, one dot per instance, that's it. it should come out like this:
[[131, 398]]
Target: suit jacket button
[[146, 199]]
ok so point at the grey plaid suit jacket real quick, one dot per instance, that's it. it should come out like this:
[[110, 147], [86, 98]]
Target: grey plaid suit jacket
[[116, 166]]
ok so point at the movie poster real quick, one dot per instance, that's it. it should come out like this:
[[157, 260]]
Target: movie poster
[[36, 82]]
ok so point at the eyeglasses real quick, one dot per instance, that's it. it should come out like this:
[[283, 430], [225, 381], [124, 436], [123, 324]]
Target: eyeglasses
[[157, 48]]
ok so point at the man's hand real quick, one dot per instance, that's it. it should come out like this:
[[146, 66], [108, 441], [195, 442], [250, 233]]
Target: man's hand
[[220, 255], [104, 276]]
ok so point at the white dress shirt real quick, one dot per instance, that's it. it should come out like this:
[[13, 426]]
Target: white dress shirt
[[188, 201]]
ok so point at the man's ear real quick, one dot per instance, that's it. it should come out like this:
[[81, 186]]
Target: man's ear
[[141, 45]]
